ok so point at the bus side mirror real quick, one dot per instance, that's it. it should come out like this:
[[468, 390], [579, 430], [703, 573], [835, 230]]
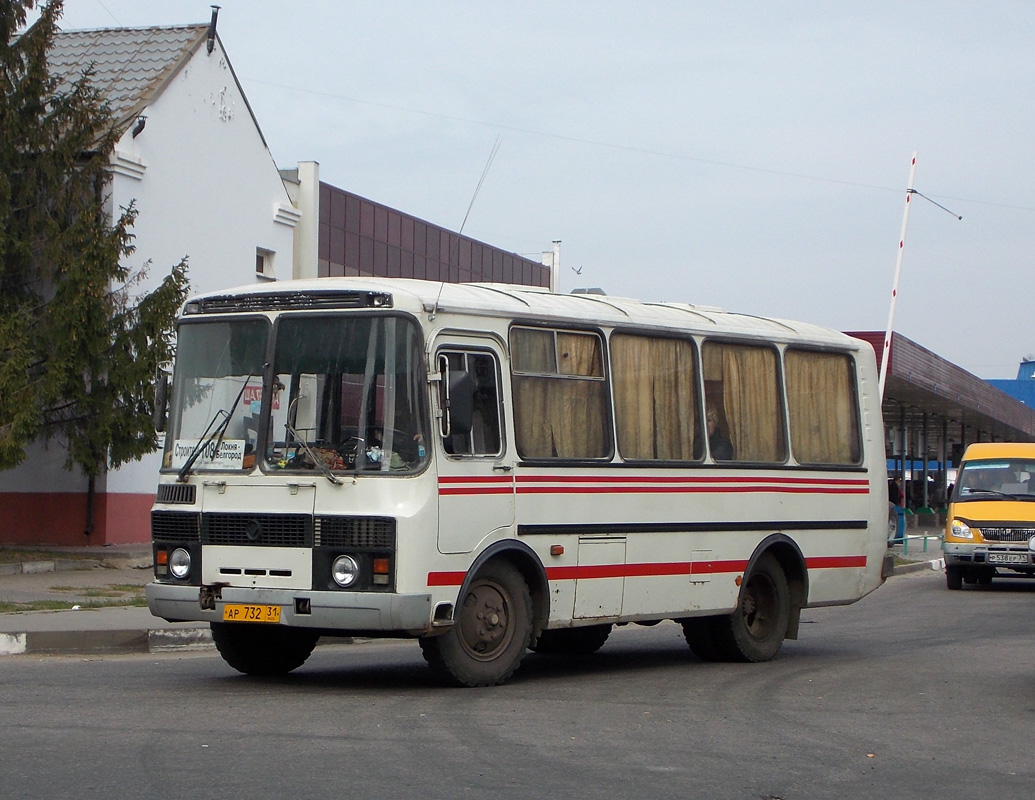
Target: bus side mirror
[[161, 401], [461, 402]]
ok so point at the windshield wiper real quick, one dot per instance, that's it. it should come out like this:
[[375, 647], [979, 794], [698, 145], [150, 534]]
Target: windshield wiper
[[324, 469], [216, 434], [1020, 496]]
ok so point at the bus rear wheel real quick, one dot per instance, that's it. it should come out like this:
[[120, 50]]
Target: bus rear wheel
[[758, 627], [492, 628], [260, 649], [572, 641], [704, 636]]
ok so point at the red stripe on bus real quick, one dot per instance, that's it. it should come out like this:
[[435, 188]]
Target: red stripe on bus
[[655, 570], [475, 484], [693, 479], [446, 578], [475, 479], [478, 490], [836, 562], [756, 488]]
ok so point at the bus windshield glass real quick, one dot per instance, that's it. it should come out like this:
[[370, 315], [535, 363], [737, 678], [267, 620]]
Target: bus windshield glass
[[347, 395], [216, 395], [1001, 477]]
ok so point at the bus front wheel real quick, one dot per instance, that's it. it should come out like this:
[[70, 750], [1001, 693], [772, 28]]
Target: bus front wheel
[[492, 628], [262, 649]]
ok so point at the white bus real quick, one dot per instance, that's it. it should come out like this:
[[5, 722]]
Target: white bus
[[491, 468]]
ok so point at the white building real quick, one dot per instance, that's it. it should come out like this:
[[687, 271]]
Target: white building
[[195, 162]]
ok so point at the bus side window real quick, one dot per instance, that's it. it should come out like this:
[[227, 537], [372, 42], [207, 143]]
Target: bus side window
[[484, 438], [742, 387]]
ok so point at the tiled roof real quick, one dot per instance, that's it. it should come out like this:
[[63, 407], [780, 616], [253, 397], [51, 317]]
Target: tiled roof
[[130, 65]]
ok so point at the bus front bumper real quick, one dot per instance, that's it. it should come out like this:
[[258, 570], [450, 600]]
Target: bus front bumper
[[347, 612]]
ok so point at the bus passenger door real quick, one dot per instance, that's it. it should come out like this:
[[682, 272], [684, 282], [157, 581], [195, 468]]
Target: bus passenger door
[[475, 478]]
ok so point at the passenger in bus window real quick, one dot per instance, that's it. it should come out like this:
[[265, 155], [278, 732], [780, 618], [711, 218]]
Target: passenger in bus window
[[718, 442]]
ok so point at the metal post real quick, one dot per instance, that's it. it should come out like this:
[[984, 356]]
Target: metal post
[[886, 355]]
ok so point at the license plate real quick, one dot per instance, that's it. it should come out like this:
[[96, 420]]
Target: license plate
[[1007, 558], [247, 612]]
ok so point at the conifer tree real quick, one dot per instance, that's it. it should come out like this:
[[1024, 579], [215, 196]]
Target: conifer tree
[[80, 346]]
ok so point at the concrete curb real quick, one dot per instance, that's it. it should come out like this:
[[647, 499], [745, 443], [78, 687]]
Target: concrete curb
[[73, 564], [105, 642], [936, 564]]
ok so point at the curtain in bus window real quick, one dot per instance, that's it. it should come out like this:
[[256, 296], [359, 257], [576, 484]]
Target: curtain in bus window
[[579, 354], [560, 418], [821, 404], [750, 399], [555, 415], [533, 351], [654, 397]]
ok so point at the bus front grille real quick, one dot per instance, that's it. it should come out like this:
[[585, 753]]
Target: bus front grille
[[266, 530], [362, 532], [274, 530], [175, 526]]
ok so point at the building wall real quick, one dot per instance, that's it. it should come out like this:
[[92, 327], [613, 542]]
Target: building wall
[[206, 187], [1022, 387], [360, 237]]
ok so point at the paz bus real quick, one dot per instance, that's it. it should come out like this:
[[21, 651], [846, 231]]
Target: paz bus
[[492, 469]]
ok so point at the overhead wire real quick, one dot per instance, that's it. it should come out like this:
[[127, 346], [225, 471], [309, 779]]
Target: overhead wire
[[629, 148]]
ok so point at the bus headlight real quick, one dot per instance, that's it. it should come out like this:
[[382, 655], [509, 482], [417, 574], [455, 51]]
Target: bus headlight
[[179, 563], [344, 570], [960, 530], [1031, 543]]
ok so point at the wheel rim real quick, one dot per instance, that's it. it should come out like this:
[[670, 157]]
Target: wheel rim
[[485, 629], [758, 607]]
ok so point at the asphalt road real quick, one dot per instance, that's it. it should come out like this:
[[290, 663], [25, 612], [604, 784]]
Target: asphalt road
[[914, 692]]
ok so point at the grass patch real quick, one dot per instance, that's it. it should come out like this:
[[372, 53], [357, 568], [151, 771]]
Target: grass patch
[[119, 590], [63, 605]]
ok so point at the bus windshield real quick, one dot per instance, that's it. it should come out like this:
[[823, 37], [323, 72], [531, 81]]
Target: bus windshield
[[348, 394], [216, 395], [344, 393]]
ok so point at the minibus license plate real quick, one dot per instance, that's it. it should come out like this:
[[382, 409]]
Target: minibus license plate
[[1007, 558], [246, 612]]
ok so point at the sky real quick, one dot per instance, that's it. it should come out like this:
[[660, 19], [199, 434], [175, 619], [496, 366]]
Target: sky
[[748, 155]]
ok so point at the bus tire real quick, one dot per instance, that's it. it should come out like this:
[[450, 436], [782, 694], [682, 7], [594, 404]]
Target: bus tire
[[953, 578], [492, 628], [704, 637], [758, 626], [572, 641], [261, 649]]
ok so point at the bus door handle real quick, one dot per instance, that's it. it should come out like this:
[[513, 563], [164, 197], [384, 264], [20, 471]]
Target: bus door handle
[[502, 467]]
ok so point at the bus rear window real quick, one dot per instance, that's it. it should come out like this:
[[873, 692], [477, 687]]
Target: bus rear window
[[824, 413]]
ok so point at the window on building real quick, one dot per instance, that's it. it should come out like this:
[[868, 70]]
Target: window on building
[[264, 264]]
